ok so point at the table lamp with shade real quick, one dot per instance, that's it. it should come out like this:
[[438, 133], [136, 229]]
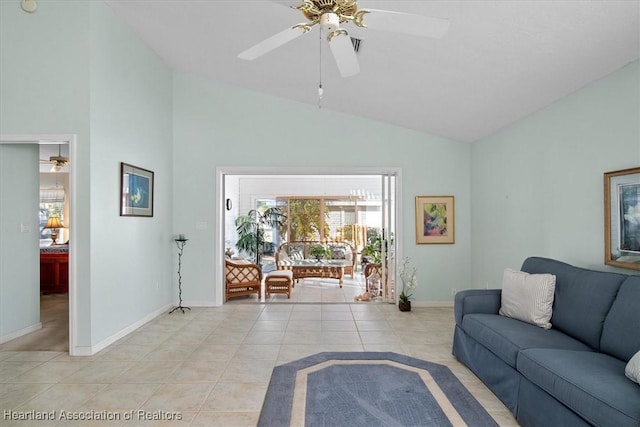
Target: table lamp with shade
[[54, 223]]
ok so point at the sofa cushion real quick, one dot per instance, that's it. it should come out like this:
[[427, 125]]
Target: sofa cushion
[[505, 337], [592, 384], [582, 297], [528, 297], [621, 332]]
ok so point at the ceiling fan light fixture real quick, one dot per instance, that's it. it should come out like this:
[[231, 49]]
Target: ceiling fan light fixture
[[329, 21]]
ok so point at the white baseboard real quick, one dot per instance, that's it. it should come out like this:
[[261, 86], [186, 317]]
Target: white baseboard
[[21, 332], [89, 351]]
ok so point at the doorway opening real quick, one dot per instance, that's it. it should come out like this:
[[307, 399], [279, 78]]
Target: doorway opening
[[55, 202], [341, 209]]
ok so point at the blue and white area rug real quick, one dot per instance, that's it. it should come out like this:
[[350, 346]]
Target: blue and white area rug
[[368, 389]]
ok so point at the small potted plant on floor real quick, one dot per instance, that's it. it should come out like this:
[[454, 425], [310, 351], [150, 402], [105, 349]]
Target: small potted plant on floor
[[409, 282]]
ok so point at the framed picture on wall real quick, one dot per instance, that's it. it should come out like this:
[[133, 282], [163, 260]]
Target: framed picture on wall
[[622, 218], [136, 191], [435, 220]]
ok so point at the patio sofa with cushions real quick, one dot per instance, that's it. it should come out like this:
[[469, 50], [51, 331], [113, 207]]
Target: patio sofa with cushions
[[339, 259], [572, 374]]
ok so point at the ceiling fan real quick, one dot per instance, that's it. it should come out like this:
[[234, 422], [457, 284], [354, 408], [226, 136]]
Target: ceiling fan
[[330, 14], [58, 161]]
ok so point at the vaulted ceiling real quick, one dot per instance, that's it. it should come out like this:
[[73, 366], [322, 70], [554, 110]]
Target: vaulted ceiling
[[499, 62]]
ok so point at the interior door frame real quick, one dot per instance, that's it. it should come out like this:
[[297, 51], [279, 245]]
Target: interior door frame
[[69, 139], [220, 197]]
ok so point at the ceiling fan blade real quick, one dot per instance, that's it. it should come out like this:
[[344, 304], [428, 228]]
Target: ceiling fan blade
[[343, 53], [274, 42], [405, 23]]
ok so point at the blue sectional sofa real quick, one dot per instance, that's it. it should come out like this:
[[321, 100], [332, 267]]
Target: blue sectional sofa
[[570, 375]]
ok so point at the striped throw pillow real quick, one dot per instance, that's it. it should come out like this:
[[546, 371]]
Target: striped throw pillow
[[528, 297]]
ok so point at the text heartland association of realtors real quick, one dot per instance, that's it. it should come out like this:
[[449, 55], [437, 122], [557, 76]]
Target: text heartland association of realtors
[[139, 415]]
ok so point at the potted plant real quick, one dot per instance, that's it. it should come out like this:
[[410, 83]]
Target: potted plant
[[251, 228], [409, 282], [318, 252]]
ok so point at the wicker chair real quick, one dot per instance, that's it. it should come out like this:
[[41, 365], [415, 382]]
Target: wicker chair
[[241, 278]]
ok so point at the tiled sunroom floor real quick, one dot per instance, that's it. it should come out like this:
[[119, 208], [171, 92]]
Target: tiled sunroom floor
[[212, 365]]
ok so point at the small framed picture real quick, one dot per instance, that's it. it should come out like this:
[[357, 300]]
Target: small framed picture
[[435, 220], [622, 218], [136, 191]]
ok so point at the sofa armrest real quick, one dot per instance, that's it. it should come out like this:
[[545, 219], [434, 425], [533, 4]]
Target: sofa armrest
[[477, 301]]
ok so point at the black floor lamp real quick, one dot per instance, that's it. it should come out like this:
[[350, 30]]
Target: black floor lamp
[[180, 242]]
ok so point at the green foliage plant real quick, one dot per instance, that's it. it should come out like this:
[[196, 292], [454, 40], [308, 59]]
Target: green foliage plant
[[318, 251], [251, 228]]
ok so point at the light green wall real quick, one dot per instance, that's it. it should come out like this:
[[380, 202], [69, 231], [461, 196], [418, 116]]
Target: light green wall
[[44, 82], [131, 122], [218, 125], [73, 68], [537, 185], [19, 244]]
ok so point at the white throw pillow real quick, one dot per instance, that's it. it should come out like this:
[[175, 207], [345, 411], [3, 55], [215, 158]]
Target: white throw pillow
[[528, 297], [632, 371]]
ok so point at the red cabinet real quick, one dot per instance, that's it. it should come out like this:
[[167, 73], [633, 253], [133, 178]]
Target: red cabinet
[[54, 273]]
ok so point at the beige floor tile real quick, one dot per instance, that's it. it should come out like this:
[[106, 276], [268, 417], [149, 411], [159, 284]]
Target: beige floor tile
[[120, 397], [258, 352], [213, 352], [198, 372], [368, 315], [274, 315], [49, 372], [339, 337], [248, 371], [373, 325], [338, 325], [264, 337], [226, 337], [379, 337], [302, 337], [127, 352], [58, 397], [337, 315], [173, 352], [304, 325], [235, 397], [32, 356], [14, 395], [11, 370], [98, 372], [226, 419], [147, 372], [315, 315], [178, 397], [269, 325]]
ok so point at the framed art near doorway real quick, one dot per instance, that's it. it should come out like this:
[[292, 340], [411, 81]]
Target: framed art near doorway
[[136, 191], [435, 219], [622, 218]]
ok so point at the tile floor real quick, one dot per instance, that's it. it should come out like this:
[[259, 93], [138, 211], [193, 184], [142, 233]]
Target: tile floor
[[211, 366]]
